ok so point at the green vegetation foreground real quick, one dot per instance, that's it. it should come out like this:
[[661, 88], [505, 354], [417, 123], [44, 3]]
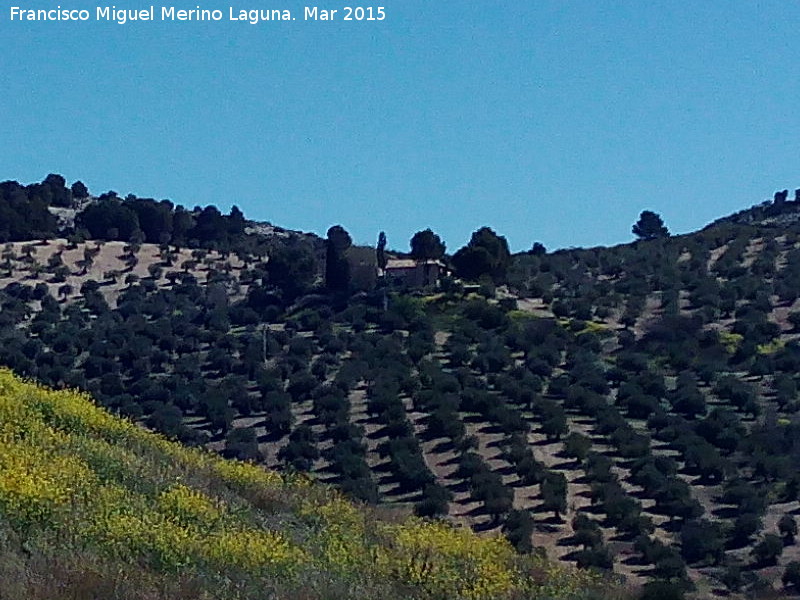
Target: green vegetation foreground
[[92, 505]]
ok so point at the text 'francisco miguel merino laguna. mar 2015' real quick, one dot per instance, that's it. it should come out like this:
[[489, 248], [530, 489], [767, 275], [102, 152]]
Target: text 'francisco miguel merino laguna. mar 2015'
[[172, 13]]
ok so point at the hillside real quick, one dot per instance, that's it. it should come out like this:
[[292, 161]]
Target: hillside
[[94, 506], [629, 409]]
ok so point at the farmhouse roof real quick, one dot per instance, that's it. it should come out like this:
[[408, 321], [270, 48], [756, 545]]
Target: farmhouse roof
[[410, 263]]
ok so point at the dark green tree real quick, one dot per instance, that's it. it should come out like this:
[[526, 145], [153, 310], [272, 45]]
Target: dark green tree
[[518, 528], [426, 245], [24, 215], [587, 531], [209, 226], [155, 218], [108, 219], [486, 254], [242, 443], [380, 251], [79, 190], [767, 551], [301, 451], [702, 541], [236, 222], [538, 249], [787, 526], [745, 525], [291, 267], [554, 493], [435, 501], [55, 190], [732, 577], [595, 557], [337, 269], [650, 226]]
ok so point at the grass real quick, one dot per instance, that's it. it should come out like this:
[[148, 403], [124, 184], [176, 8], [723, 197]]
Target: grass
[[731, 341], [93, 506], [771, 347]]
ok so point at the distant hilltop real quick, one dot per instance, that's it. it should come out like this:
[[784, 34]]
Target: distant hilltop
[[51, 208], [778, 211]]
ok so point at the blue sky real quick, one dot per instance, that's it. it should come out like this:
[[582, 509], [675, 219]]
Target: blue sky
[[549, 121]]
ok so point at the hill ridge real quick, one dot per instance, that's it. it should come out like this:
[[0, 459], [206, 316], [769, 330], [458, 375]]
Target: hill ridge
[[629, 409]]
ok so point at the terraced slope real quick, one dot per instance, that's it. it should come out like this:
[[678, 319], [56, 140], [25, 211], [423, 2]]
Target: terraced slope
[[92, 504], [631, 409]]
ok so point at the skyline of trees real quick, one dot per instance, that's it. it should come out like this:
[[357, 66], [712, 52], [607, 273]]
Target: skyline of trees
[[111, 217]]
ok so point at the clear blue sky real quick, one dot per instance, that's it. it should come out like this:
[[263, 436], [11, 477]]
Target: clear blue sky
[[551, 121]]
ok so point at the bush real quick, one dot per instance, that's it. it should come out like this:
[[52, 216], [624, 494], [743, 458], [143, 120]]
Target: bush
[[767, 551], [518, 528], [435, 501], [787, 526], [554, 493], [242, 444], [702, 541], [577, 446]]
